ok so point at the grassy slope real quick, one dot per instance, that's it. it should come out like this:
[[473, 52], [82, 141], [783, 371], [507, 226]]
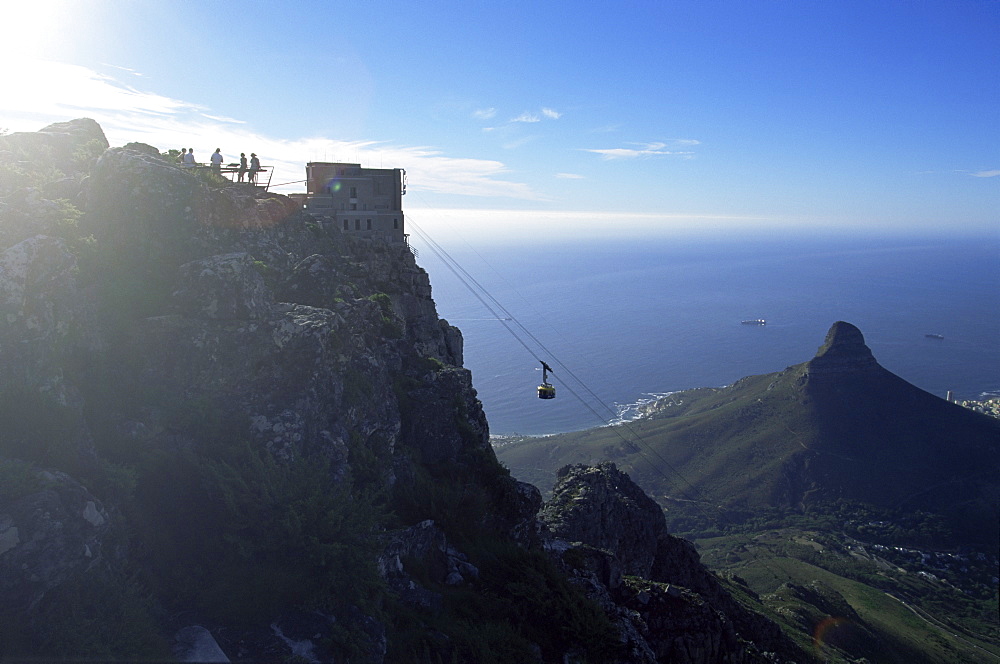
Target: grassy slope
[[768, 442], [830, 613], [759, 435], [780, 440]]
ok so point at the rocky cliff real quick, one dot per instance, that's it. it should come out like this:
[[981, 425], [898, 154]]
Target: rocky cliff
[[612, 538], [227, 432]]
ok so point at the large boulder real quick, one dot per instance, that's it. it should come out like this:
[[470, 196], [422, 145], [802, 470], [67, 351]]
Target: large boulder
[[149, 209], [223, 287], [602, 506], [53, 533], [65, 146], [843, 352], [611, 538]]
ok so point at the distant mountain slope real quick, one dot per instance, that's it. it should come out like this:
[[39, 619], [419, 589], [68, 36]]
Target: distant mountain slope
[[838, 427]]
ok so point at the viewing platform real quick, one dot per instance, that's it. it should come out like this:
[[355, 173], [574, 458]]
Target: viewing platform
[[232, 172]]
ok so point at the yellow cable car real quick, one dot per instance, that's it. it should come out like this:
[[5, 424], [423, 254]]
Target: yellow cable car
[[545, 390]]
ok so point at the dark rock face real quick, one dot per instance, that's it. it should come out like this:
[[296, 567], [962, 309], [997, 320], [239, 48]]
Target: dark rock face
[[47, 537], [667, 605], [43, 177], [843, 351], [601, 506], [201, 313], [210, 328], [58, 144]]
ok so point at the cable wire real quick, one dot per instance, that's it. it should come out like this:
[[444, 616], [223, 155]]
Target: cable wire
[[634, 442]]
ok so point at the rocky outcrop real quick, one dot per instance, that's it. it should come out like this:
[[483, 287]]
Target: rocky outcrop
[[44, 175], [53, 533], [843, 352], [612, 538], [603, 507], [281, 448], [64, 146], [179, 318]]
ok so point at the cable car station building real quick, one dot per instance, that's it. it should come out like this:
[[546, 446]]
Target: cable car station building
[[367, 202]]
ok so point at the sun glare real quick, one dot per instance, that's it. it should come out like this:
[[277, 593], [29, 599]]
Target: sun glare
[[33, 28]]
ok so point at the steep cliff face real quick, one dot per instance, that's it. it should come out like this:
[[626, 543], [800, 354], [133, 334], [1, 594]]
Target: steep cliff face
[[613, 540], [228, 432], [232, 379]]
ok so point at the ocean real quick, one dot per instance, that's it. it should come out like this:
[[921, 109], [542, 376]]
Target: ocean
[[624, 321]]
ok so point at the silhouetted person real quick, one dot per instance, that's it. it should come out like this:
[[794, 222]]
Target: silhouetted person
[[182, 156], [243, 167], [217, 161], [254, 167], [189, 159]]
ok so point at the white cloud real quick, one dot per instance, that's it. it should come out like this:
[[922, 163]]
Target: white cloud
[[569, 176], [643, 150], [526, 117], [987, 174], [124, 69], [551, 113], [37, 93], [223, 118], [484, 113], [37, 87]]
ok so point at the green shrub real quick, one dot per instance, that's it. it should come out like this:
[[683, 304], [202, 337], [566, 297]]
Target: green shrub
[[17, 478], [521, 602], [239, 534], [39, 429], [101, 616]]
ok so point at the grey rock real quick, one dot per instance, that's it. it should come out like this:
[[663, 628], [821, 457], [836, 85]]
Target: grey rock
[[223, 287], [843, 351], [196, 644], [51, 535], [602, 507]]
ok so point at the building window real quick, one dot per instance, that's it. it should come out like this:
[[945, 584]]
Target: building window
[[354, 206], [395, 223], [354, 192], [357, 224], [347, 225], [369, 222]]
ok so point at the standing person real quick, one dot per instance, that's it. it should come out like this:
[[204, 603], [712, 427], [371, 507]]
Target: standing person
[[189, 159], [254, 167], [182, 156], [243, 166], [217, 161]]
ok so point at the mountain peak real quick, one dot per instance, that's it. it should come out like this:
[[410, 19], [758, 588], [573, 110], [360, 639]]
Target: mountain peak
[[843, 351]]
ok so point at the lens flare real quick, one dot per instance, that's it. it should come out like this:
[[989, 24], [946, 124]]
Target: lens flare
[[823, 629]]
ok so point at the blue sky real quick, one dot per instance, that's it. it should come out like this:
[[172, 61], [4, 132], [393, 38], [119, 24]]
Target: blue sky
[[726, 116]]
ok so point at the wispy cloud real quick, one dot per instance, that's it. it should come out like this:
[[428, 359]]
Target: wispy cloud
[[38, 93], [223, 118], [533, 116], [484, 113], [569, 176], [58, 89], [125, 69], [527, 117], [986, 174], [656, 149]]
